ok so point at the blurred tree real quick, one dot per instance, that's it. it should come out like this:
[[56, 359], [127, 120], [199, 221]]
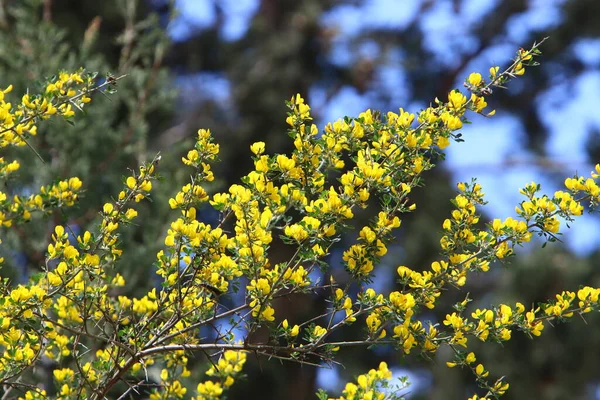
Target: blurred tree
[[305, 46], [37, 40]]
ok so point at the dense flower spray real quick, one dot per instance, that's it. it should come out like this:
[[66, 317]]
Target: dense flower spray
[[74, 314]]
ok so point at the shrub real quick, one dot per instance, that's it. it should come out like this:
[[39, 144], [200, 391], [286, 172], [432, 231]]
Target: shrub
[[75, 320]]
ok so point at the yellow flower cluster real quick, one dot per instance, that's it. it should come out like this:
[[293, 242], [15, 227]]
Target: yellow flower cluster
[[467, 248], [63, 93], [370, 386], [18, 124], [223, 372], [172, 387], [76, 303], [228, 367], [50, 197]]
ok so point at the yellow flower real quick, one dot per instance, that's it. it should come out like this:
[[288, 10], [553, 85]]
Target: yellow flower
[[63, 374], [480, 370], [478, 102], [452, 122], [456, 100], [209, 388], [470, 358], [494, 72], [268, 314], [475, 79], [295, 330], [319, 331], [258, 148], [296, 231], [108, 208], [131, 214], [131, 182], [192, 157], [519, 69], [146, 186], [347, 303]]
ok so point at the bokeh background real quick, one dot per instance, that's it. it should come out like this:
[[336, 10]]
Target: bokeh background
[[228, 65]]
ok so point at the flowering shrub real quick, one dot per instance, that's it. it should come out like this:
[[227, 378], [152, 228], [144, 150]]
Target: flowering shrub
[[75, 315]]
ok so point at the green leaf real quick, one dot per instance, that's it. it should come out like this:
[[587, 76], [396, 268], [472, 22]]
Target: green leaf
[[321, 394]]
